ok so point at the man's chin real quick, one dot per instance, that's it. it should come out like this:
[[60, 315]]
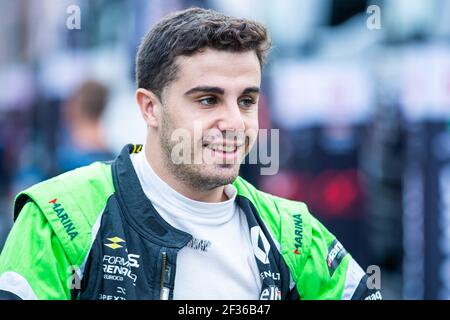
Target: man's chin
[[227, 169], [222, 174], [207, 177]]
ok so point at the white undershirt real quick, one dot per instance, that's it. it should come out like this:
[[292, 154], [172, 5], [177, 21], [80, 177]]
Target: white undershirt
[[219, 263]]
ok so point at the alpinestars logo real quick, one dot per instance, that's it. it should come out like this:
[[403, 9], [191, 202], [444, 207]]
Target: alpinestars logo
[[64, 218], [114, 243], [198, 244], [336, 253], [298, 231]]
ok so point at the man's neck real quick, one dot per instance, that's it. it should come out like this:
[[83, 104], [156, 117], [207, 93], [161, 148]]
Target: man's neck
[[214, 195]]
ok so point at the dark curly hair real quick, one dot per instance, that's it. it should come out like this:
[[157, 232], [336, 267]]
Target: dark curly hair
[[187, 32]]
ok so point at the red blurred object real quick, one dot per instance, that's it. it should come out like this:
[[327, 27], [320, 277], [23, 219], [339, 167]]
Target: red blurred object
[[332, 193]]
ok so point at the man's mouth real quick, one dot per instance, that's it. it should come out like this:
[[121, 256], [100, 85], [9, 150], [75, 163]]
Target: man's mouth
[[224, 152], [222, 148]]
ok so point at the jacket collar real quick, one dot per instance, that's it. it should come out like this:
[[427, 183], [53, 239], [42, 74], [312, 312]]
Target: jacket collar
[[138, 209], [141, 214]]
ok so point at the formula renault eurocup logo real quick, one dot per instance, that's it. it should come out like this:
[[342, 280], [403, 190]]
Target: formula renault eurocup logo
[[120, 267], [64, 218], [114, 243], [336, 253], [117, 267]]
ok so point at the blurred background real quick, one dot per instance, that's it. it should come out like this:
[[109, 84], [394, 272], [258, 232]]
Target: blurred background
[[362, 104]]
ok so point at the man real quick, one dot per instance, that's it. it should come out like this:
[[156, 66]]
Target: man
[[84, 142], [172, 220]]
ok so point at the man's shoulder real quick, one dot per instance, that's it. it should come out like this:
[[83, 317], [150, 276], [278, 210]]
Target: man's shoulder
[[70, 203], [269, 202], [289, 221], [80, 187]]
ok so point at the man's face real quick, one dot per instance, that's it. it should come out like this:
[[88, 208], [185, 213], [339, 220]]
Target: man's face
[[214, 101]]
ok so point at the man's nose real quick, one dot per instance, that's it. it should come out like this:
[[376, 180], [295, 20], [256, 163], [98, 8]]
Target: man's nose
[[231, 117]]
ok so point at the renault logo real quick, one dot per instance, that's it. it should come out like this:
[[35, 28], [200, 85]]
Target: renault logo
[[114, 243]]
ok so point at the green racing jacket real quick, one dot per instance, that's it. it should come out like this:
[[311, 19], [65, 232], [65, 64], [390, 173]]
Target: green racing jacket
[[91, 233]]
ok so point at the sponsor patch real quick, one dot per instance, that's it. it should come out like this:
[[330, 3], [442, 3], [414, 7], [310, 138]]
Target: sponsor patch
[[336, 252], [198, 244], [64, 218], [298, 233], [114, 243]]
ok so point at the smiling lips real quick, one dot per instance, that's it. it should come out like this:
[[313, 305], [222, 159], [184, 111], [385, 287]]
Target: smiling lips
[[226, 150]]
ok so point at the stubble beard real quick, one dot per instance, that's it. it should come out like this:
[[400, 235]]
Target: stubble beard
[[202, 177]]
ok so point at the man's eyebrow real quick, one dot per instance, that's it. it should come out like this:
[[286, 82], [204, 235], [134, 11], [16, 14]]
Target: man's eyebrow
[[205, 89], [218, 90], [251, 90]]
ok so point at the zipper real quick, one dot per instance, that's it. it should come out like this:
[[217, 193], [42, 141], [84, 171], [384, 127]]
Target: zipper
[[165, 278]]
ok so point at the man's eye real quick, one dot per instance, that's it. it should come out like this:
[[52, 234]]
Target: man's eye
[[246, 102], [208, 101]]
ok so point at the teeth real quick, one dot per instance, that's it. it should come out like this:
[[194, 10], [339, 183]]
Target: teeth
[[223, 148]]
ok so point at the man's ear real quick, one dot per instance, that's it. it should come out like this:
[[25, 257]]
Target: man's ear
[[149, 105]]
